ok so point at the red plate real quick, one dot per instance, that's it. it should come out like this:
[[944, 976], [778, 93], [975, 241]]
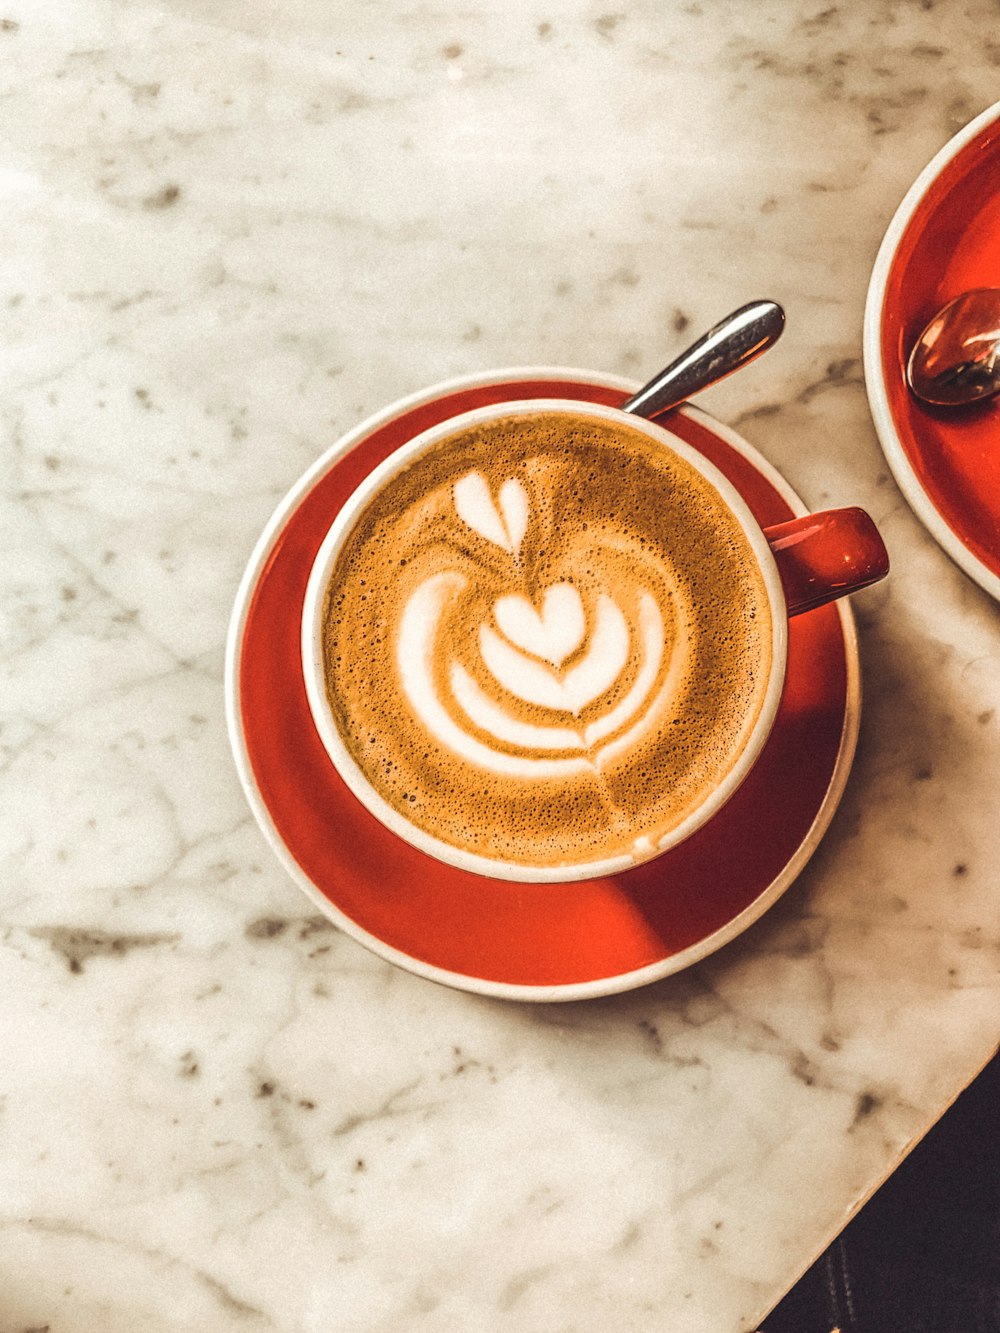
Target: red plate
[[944, 239], [526, 941]]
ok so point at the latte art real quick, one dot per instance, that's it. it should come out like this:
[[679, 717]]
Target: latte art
[[545, 639], [518, 667]]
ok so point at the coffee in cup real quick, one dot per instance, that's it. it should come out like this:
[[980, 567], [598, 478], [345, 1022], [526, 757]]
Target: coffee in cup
[[544, 642]]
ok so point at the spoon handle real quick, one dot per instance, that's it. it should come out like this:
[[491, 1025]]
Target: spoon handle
[[732, 342]]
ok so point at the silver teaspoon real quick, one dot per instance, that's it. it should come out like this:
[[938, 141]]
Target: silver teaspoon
[[731, 343], [956, 360]]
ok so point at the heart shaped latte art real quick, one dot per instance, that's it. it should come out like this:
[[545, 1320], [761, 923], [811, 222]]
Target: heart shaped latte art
[[553, 633], [503, 521], [599, 675], [526, 676]]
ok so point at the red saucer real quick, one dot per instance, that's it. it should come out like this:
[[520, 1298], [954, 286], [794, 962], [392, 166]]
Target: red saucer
[[943, 240], [527, 941]]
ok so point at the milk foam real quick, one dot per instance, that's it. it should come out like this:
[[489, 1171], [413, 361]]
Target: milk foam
[[532, 681], [546, 652], [505, 525]]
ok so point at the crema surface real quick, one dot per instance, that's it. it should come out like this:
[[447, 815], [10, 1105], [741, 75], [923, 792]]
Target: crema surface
[[546, 641]]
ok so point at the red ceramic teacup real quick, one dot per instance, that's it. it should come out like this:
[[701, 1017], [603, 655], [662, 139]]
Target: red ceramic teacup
[[532, 648]]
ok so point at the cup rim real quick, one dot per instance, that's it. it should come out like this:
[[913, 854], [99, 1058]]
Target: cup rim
[[315, 679]]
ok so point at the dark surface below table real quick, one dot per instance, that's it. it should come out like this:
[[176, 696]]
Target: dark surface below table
[[923, 1256]]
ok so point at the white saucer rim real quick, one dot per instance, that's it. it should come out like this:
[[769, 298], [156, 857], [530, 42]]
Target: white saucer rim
[[570, 991], [878, 398]]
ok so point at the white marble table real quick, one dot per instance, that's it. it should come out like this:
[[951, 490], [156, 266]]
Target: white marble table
[[229, 232]]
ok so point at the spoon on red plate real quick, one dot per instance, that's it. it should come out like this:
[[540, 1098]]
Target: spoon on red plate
[[956, 360]]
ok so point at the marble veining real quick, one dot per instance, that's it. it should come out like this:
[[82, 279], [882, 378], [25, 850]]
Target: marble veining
[[230, 232]]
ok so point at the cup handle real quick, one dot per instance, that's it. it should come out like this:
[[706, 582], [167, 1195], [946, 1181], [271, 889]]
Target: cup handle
[[826, 555]]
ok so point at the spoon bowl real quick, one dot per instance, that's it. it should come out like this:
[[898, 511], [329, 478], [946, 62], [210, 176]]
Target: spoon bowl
[[956, 359]]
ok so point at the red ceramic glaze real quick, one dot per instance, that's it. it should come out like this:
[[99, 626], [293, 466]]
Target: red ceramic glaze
[[826, 555], [497, 934], [950, 244]]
